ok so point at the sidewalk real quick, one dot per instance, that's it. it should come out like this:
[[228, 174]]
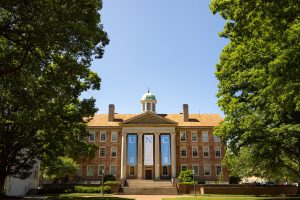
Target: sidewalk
[[147, 197]]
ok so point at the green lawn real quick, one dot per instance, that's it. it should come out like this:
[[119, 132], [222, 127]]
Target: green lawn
[[84, 196], [229, 197]]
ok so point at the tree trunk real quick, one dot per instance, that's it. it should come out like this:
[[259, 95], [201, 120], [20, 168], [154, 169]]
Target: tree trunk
[[298, 189], [2, 182]]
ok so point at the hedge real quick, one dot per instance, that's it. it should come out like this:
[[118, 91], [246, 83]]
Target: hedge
[[84, 189]]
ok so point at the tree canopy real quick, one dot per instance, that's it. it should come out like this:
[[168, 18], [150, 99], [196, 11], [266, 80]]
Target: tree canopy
[[46, 49], [259, 87]]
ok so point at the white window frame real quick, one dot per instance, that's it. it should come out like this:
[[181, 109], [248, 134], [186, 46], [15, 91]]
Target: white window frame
[[209, 167], [182, 133], [111, 151], [205, 139], [218, 148], [99, 172], [92, 133], [195, 165], [87, 170], [183, 165], [196, 133], [217, 138], [100, 138], [217, 171], [110, 171], [182, 148], [100, 151], [193, 152], [205, 151], [116, 134], [148, 108]]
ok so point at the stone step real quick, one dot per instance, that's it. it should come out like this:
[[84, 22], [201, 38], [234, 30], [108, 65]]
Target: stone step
[[146, 191], [148, 183]]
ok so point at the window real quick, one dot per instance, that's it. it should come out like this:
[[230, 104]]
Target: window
[[113, 170], [194, 137], [102, 151], [100, 170], [183, 152], [206, 152], [148, 106], [114, 136], [207, 170], [204, 136], [217, 138], [79, 171], [91, 136], [196, 170], [182, 136], [218, 170], [90, 170], [217, 152], [165, 170], [131, 170], [143, 106], [183, 167], [113, 152], [102, 136], [153, 107], [195, 151]]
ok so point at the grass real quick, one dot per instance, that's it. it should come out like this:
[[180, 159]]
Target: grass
[[230, 197], [84, 196]]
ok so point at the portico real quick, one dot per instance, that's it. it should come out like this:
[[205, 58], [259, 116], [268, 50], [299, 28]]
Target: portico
[[149, 138]]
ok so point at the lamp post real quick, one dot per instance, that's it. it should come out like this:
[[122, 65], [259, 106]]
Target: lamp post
[[102, 181], [194, 182]]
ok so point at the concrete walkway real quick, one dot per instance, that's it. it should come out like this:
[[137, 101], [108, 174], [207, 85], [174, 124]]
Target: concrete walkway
[[147, 197]]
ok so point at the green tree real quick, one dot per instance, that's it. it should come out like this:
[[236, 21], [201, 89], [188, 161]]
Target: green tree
[[259, 87], [59, 168], [46, 49]]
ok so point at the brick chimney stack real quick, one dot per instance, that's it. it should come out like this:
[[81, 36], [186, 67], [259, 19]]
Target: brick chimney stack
[[185, 112], [111, 112]]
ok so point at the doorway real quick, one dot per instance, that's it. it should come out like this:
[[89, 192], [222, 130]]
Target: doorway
[[148, 174]]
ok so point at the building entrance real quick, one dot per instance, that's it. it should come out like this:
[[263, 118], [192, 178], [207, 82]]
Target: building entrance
[[148, 174]]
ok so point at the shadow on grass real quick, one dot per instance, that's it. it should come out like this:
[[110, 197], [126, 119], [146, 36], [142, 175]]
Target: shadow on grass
[[85, 198]]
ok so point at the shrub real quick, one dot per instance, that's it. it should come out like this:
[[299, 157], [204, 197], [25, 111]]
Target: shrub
[[234, 179], [109, 177], [186, 176], [84, 189], [111, 182], [106, 189]]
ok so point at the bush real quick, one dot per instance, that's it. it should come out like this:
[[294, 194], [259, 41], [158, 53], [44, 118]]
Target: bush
[[84, 189], [111, 182], [109, 177], [234, 179], [186, 176]]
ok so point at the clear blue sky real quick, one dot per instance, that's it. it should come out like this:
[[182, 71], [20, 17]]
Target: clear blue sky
[[171, 46]]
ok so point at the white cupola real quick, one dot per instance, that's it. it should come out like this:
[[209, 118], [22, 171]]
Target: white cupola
[[148, 102]]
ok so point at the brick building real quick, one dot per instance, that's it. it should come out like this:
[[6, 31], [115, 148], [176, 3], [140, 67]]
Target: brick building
[[154, 146]]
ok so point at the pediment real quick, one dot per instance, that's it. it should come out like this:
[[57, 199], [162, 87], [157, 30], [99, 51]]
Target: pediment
[[149, 118]]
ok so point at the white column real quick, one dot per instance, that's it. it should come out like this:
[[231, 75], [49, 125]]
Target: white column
[[173, 154], [140, 156], [123, 156], [157, 161]]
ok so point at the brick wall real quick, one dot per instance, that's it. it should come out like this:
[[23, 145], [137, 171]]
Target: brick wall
[[200, 160]]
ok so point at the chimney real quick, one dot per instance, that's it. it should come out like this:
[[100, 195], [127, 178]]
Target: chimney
[[111, 112], [185, 112]]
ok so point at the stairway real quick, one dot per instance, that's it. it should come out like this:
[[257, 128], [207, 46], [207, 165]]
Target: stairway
[[149, 187]]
